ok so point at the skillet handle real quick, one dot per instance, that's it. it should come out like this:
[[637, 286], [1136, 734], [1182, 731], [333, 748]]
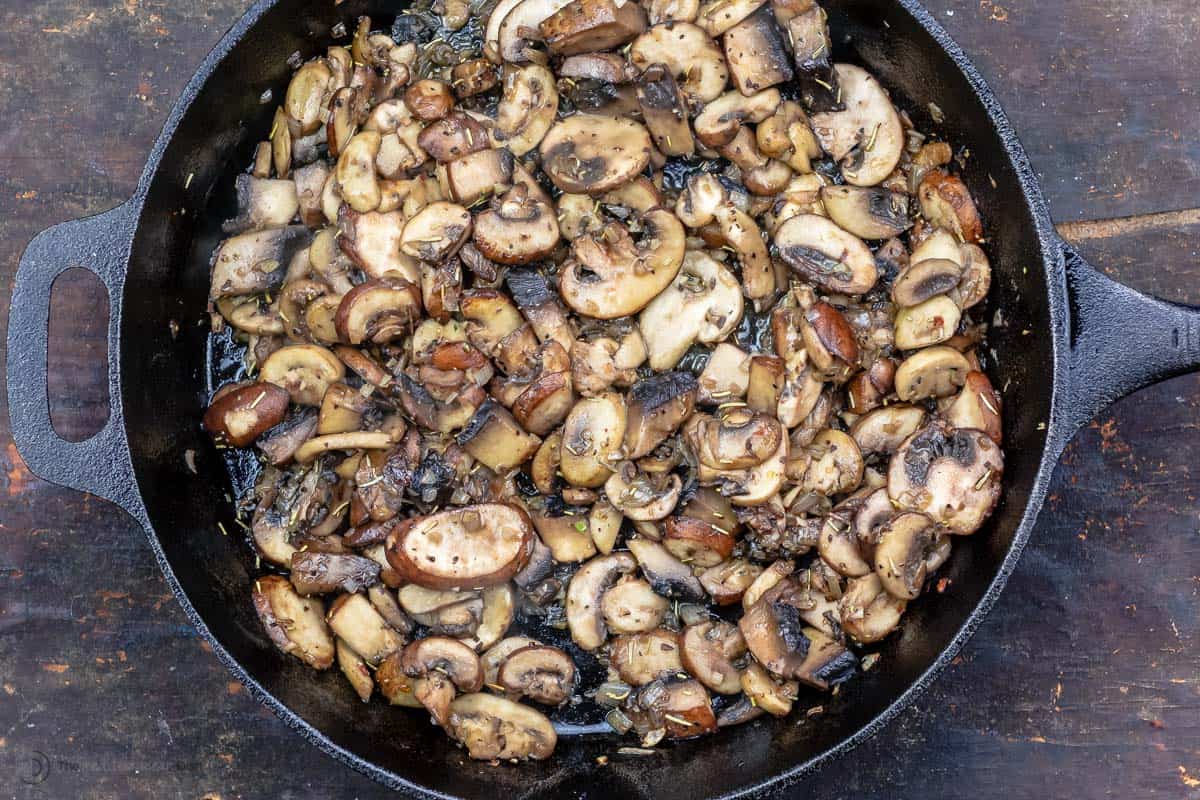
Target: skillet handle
[[102, 464], [1120, 341]]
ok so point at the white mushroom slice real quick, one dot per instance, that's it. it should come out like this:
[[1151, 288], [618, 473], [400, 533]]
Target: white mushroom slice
[[516, 229], [757, 53], [567, 537], [708, 650], [726, 583], [304, 370], [306, 93], [765, 692], [632, 606], [424, 605], [494, 728], [736, 439], [468, 547], [926, 279], [294, 624], [640, 658], [868, 612], [590, 154], [591, 438], [354, 440], [703, 303], [951, 475], [946, 203], [786, 135], [263, 203], [491, 32], [884, 429], [586, 26], [932, 372], [372, 241], [976, 279], [767, 580], [927, 323], [355, 620], [689, 53], [251, 263], [905, 544], [723, 117], [494, 656], [436, 232], [867, 137], [495, 438], [821, 252], [641, 497], [477, 175], [869, 212], [831, 464], [585, 614], [527, 107], [610, 276], [668, 575], [356, 671], [604, 524], [938, 244], [839, 545], [498, 607], [755, 485], [520, 28], [718, 16], [725, 377], [542, 673], [977, 406], [355, 173]]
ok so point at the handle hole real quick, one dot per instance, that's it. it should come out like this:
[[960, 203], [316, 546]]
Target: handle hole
[[77, 355]]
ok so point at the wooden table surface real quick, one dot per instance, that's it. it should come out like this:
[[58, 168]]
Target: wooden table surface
[[1085, 679]]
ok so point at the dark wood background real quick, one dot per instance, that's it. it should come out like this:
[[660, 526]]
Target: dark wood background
[[1084, 681]]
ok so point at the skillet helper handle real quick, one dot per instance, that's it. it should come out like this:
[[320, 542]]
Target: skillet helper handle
[[1120, 341], [102, 464]]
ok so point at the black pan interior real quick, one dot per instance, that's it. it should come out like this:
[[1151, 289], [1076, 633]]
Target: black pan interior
[[190, 192]]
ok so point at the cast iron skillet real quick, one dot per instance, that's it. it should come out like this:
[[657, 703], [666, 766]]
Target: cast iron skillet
[[1075, 341]]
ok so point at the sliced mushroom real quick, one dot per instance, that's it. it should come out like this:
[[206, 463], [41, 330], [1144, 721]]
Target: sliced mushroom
[[591, 154], [519, 29], [494, 728], [640, 658], [736, 439], [543, 469], [425, 606], [727, 582], [306, 93], [767, 580], [567, 537], [442, 664], [697, 542], [703, 303], [436, 232], [831, 464], [926, 280], [294, 624], [584, 26], [927, 323], [263, 203], [656, 407], [668, 575], [585, 613], [866, 137], [547, 401], [304, 370], [867, 212], [882, 430], [786, 135], [977, 406], [976, 279], [821, 252], [675, 708], [756, 52], [708, 650], [605, 67], [468, 547], [718, 16], [239, 417], [766, 693], [527, 107], [904, 545], [664, 110], [868, 612], [378, 311], [322, 573], [355, 620], [284, 439], [723, 117], [429, 99], [632, 606], [755, 485], [829, 341], [356, 671], [473, 77], [946, 203], [540, 304], [931, 372], [478, 175], [689, 53], [493, 658], [726, 376], [516, 229], [494, 438], [592, 435], [542, 673], [453, 137], [953, 475], [640, 496], [251, 263], [372, 241]]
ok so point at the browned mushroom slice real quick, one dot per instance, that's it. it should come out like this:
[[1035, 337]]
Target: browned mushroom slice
[[757, 55], [678, 709], [927, 323], [767, 580], [263, 203], [453, 137], [442, 664], [641, 496], [821, 252], [494, 438], [808, 32], [592, 435], [566, 536], [429, 99], [657, 406], [477, 175], [755, 485], [357, 181], [493, 658], [946, 203], [476, 76], [490, 316], [640, 658], [494, 728], [708, 650], [305, 94], [727, 582], [874, 511], [904, 546], [445, 612], [542, 673], [925, 280], [931, 372], [585, 614], [436, 232], [726, 376], [830, 464], [718, 16], [540, 304], [696, 542], [468, 547], [386, 604], [882, 430], [516, 229], [668, 575], [295, 624], [584, 26], [867, 212], [735, 439], [322, 573], [605, 67], [252, 263], [976, 279], [767, 380], [239, 417], [953, 475], [776, 636], [589, 154], [527, 107], [546, 403], [704, 303], [722, 118], [373, 242], [356, 671], [518, 31], [632, 606], [829, 341], [766, 693], [304, 370], [977, 406], [867, 137], [396, 687], [868, 389], [543, 469], [868, 612], [689, 53], [664, 110], [378, 311], [285, 438], [355, 620]]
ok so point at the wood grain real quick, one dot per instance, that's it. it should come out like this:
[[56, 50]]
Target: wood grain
[[1084, 681]]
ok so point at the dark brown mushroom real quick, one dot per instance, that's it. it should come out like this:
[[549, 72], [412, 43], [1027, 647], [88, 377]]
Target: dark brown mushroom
[[494, 728], [239, 417], [756, 53], [584, 26], [322, 573], [657, 406]]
